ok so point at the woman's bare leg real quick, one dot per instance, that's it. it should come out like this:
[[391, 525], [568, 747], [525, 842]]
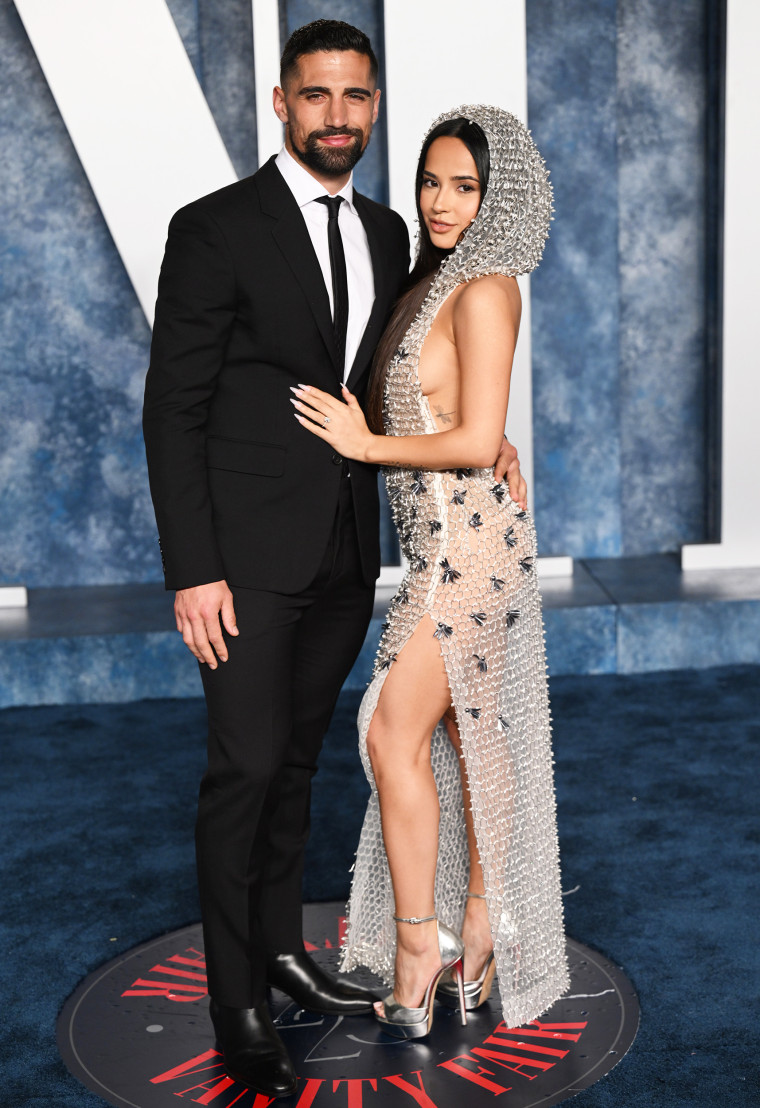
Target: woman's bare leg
[[476, 931], [413, 699]]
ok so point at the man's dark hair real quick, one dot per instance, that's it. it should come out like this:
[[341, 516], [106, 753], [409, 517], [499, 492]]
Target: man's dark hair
[[328, 35]]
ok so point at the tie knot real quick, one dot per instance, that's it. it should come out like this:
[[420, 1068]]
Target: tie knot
[[333, 204]]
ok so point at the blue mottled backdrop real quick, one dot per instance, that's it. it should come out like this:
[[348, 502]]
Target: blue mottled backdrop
[[617, 95], [618, 105]]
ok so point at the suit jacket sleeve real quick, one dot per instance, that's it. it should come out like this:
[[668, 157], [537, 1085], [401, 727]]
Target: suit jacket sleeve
[[194, 314]]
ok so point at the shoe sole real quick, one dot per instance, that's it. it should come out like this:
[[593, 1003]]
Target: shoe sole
[[259, 1088]]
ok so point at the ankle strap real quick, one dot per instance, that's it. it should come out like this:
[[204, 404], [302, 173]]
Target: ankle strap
[[477, 896], [414, 919]]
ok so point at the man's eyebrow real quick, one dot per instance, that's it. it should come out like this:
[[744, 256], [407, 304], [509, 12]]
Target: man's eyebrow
[[308, 89]]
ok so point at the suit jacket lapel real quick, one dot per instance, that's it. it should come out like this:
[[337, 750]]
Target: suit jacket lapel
[[372, 331], [292, 237]]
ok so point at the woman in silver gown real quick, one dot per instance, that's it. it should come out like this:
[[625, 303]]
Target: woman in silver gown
[[460, 830]]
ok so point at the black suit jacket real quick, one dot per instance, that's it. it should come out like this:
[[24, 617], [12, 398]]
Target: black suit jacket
[[241, 490]]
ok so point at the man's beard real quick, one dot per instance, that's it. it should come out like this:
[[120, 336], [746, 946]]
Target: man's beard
[[330, 161]]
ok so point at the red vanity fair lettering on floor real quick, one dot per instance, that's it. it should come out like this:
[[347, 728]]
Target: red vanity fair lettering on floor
[[187, 973], [525, 1052]]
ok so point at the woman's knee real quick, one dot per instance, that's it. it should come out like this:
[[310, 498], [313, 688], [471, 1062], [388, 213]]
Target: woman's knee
[[399, 752]]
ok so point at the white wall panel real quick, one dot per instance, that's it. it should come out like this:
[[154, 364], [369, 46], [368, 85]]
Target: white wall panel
[[740, 516], [439, 55], [136, 114], [266, 52]]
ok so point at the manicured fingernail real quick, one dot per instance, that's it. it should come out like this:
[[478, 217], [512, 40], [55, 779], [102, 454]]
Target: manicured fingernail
[[304, 387], [298, 392]]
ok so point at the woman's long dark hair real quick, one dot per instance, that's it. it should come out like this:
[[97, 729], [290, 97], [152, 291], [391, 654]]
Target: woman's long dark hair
[[428, 261]]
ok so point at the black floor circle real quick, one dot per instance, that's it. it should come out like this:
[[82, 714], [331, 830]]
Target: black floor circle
[[137, 1033]]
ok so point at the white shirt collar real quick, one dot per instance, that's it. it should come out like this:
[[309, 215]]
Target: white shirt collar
[[304, 187]]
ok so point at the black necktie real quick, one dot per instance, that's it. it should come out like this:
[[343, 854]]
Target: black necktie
[[339, 278]]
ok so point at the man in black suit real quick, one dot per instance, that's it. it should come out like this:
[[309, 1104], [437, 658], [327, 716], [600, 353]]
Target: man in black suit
[[270, 538]]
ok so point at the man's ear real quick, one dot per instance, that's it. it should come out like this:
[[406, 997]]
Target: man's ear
[[377, 106], [279, 104]]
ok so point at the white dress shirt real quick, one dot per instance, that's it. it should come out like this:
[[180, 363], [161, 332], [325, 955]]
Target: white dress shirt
[[361, 283]]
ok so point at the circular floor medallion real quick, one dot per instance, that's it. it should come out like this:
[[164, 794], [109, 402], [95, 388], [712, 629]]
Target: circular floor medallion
[[137, 1033]]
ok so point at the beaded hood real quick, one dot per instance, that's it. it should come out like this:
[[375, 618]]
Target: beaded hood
[[509, 232]]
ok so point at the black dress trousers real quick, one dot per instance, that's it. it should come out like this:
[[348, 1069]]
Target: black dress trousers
[[269, 706]]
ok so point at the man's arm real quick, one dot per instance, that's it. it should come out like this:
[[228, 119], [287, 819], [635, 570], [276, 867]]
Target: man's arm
[[194, 313], [508, 465]]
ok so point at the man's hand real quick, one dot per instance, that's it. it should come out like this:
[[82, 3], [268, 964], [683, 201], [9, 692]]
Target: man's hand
[[197, 612], [508, 464]]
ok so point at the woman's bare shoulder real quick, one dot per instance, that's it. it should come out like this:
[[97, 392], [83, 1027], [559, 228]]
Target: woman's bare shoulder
[[493, 292]]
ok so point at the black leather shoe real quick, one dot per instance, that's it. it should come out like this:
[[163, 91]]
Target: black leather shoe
[[312, 988], [254, 1054]]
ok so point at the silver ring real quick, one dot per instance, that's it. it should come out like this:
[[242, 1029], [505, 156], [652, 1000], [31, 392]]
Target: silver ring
[[327, 420]]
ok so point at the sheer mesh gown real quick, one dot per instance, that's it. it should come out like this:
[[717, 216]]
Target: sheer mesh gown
[[471, 578]]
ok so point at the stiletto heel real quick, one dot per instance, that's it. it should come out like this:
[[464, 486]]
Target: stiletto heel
[[470, 994], [415, 1023], [459, 974]]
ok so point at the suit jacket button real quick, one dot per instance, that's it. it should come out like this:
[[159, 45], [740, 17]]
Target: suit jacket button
[[337, 460]]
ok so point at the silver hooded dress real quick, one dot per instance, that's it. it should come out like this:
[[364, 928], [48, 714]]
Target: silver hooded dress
[[471, 575]]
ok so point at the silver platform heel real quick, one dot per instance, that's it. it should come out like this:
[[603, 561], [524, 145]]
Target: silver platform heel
[[415, 1023], [476, 992]]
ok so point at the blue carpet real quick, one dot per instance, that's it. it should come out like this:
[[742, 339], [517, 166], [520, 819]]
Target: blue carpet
[[659, 831]]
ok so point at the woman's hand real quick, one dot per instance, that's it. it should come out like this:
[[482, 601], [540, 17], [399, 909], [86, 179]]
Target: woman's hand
[[341, 424]]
